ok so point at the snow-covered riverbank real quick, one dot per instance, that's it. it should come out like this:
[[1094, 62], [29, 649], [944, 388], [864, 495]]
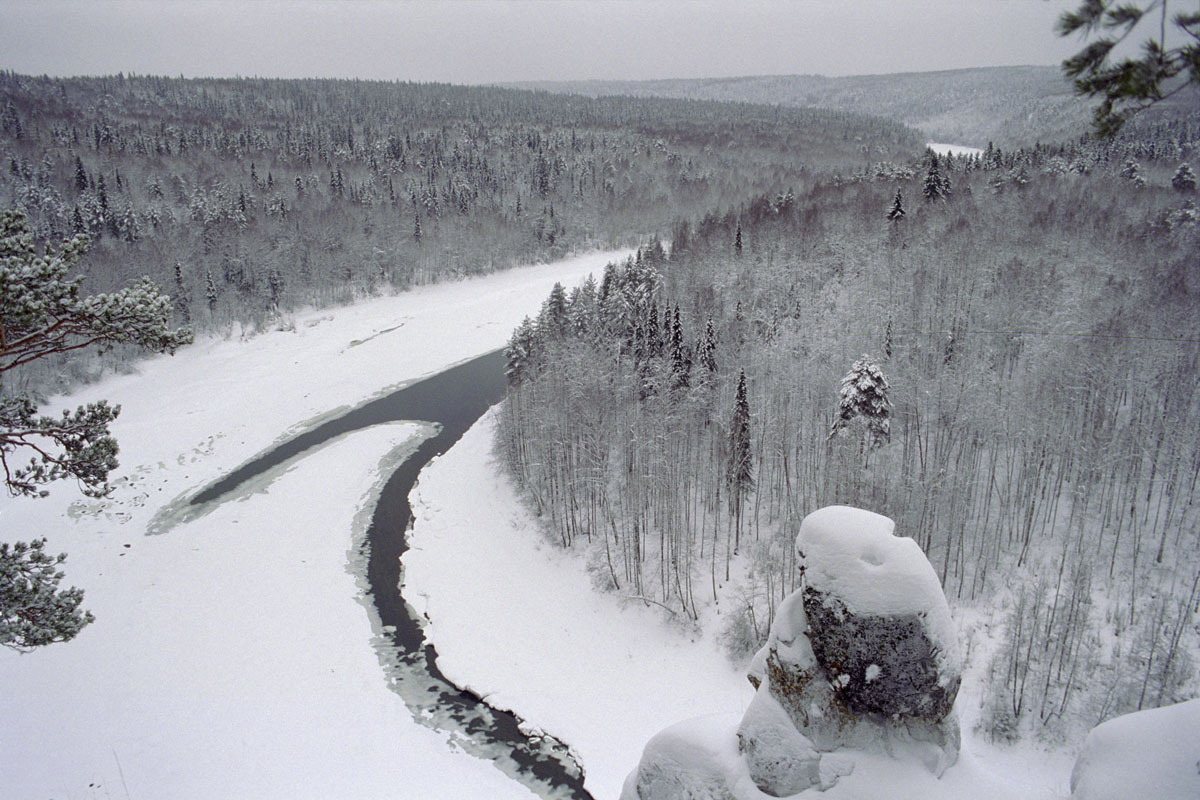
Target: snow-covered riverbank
[[232, 656], [515, 618]]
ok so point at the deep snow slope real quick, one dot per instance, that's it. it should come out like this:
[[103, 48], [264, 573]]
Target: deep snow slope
[[232, 655]]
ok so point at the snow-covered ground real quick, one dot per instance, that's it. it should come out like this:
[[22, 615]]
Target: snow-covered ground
[[232, 655], [515, 617], [1153, 753], [953, 149]]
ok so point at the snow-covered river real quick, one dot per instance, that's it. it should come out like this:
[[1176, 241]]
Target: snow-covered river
[[232, 653], [953, 149], [453, 400]]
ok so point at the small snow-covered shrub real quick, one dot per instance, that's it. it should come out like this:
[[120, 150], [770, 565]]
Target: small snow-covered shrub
[[741, 636]]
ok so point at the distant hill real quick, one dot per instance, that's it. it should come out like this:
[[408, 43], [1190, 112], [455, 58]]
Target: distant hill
[[1008, 105]]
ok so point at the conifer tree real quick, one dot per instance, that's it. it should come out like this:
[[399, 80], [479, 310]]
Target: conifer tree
[[864, 397], [210, 291], [33, 611], [1131, 84], [81, 176], [653, 332], [737, 240], [897, 212], [10, 123], [553, 318], [1184, 180], [1132, 171], [520, 354], [102, 195], [41, 314], [681, 364], [609, 281], [581, 309], [933, 181], [739, 473]]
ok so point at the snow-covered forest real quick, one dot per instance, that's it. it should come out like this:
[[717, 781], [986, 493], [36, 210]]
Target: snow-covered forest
[[248, 198], [1026, 409], [451, 441]]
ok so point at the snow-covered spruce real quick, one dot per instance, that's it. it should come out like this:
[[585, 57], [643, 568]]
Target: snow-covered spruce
[[1153, 753], [861, 659]]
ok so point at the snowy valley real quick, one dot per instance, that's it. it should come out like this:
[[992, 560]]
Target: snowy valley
[[610, 408]]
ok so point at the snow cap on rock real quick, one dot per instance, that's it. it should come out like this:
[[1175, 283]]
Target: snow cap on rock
[[697, 759], [852, 554]]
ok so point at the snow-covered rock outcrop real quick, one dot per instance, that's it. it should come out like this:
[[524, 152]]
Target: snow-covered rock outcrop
[[691, 760], [877, 619], [1146, 754], [863, 657]]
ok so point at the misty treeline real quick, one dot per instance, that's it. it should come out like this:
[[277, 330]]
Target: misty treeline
[[1017, 105], [243, 198], [1034, 316], [1020, 105]]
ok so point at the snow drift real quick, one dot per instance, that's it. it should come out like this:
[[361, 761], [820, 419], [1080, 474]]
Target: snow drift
[[1154, 753]]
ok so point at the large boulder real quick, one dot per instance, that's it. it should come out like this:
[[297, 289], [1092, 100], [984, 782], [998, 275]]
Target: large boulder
[[863, 658], [692, 760], [1148, 754], [878, 622]]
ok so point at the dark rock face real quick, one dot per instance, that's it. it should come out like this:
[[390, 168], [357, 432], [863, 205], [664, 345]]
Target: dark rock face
[[878, 665], [803, 692]]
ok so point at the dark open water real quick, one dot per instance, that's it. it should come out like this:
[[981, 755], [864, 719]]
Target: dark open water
[[454, 399]]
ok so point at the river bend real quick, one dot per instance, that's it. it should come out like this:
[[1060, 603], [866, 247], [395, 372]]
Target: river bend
[[454, 399]]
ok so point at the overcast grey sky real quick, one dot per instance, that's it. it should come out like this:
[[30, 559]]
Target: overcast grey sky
[[477, 41]]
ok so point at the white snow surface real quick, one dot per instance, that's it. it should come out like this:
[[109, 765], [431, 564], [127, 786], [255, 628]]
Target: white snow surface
[[1154, 753], [232, 656], [953, 149], [516, 618], [852, 553], [707, 747]]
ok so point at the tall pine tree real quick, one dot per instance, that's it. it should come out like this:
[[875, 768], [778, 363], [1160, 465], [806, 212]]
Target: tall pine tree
[[739, 474]]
